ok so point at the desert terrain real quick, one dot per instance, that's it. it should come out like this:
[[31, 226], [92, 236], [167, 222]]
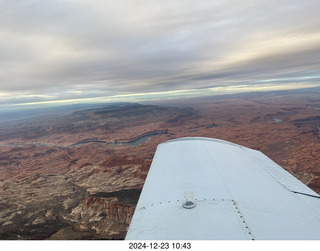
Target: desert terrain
[[79, 175]]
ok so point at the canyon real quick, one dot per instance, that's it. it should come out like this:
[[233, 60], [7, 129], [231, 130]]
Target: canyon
[[79, 175]]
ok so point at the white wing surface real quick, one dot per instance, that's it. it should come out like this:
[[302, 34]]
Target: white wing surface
[[209, 189]]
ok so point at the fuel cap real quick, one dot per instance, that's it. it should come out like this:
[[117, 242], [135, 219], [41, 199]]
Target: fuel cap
[[189, 204]]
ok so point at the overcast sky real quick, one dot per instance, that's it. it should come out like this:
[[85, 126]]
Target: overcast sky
[[62, 50]]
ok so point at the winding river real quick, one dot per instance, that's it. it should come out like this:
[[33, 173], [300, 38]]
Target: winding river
[[133, 142]]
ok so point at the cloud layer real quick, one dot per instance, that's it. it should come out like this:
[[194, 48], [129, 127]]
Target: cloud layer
[[74, 49]]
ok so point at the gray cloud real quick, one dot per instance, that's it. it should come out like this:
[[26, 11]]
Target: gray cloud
[[71, 49]]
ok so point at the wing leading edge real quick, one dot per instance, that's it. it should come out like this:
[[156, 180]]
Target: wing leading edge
[[234, 193]]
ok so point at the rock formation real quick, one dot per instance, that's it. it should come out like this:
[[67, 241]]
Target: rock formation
[[79, 176]]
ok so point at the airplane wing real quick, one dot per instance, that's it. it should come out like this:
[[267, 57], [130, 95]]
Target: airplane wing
[[209, 189]]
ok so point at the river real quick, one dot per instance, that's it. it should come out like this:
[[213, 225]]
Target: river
[[132, 143]]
